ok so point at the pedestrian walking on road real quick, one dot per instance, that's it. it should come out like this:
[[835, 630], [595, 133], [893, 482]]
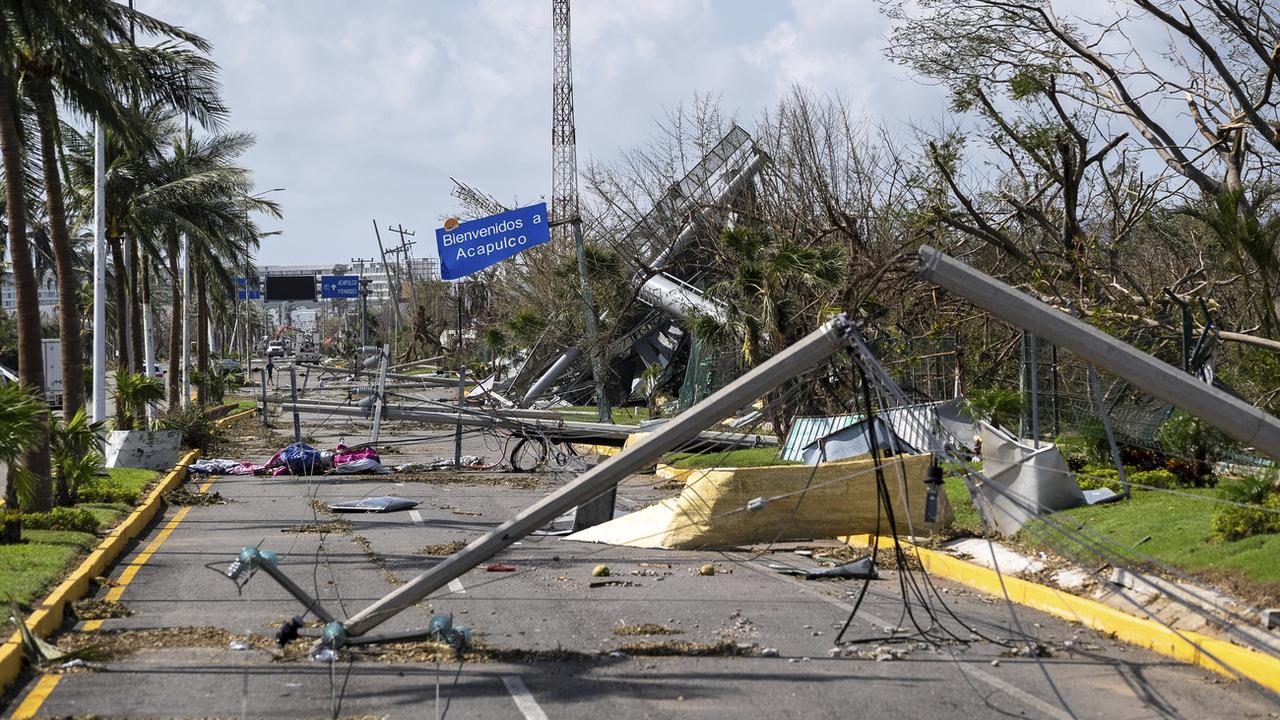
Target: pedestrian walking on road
[[271, 371]]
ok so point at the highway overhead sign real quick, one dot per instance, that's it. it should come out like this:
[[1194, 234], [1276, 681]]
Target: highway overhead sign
[[340, 286]]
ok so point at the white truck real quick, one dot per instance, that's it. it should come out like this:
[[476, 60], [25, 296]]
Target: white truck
[[52, 348]]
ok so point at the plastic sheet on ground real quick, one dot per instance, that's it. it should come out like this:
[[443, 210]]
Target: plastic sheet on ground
[[380, 504], [365, 465], [220, 466], [439, 463], [300, 459], [826, 501]]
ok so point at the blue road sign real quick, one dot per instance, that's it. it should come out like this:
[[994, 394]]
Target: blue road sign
[[339, 286], [475, 245], [252, 293]]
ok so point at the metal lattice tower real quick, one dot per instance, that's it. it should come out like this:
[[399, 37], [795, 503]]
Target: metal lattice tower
[[564, 142]]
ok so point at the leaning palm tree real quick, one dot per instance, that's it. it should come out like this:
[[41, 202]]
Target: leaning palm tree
[[191, 187], [204, 195]]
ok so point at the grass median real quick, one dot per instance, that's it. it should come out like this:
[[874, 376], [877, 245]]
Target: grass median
[[1173, 529], [30, 569]]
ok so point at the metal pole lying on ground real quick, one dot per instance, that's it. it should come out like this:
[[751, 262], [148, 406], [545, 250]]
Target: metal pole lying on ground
[[1157, 378], [811, 351]]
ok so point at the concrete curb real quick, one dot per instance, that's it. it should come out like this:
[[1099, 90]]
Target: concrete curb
[[1189, 647], [47, 616]]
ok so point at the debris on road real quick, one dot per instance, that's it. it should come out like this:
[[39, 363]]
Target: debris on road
[[448, 548], [379, 504], [184, 497], [645, 629], [90, 609]]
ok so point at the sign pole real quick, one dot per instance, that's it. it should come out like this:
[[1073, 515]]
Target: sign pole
[[604, 412]]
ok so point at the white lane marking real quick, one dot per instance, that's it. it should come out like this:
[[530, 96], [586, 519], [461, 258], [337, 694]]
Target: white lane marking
[[1017, 693], [416, 517], [455, 587], [524, 701]]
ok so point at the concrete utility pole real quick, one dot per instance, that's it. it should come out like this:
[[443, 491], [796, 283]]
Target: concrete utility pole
[[394, 287], [596, 345], [99, 273], [807, 353], [1231, 415], [363, 302], [404, 249]]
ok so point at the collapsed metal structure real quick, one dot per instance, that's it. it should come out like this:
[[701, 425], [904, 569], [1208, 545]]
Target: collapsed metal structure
[[663, 241]]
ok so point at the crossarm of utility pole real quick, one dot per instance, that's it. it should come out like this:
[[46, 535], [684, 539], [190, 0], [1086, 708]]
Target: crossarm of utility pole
[[806, 354]]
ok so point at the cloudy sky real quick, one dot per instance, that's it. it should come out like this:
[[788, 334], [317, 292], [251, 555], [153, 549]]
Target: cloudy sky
[[365, 109]]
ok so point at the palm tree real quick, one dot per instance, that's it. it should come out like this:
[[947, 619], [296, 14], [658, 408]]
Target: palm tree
[[75, 52], [35, 459], [189, 186]]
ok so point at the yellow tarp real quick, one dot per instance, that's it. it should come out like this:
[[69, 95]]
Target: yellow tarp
[[805, 502]]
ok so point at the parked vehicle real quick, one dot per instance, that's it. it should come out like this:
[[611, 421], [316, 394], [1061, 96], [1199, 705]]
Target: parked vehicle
[[52, 348], [309, 353], [275, 349]]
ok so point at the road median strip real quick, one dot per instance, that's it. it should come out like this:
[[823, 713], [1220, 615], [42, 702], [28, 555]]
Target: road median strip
[[1185, 646]]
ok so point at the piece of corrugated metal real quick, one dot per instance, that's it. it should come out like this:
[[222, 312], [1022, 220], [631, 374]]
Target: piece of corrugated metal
[[913, 423], [805, 430]]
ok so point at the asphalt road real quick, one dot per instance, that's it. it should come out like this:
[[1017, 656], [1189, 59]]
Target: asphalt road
[[571, 667]]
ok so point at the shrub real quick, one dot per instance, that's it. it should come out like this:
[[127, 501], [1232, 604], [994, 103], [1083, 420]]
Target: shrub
[[22, 412], [1195, 442], [1155, 478], [214, 384], [998, 406], [133, 394], [62, 518], [74, 453], [199, 431], [1074, 449], [1261, 514], [106, 490], [1094, 477]]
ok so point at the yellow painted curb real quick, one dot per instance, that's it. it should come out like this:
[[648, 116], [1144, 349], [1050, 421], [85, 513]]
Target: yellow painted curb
[[47, 616], [1185, 646], [673, 473]]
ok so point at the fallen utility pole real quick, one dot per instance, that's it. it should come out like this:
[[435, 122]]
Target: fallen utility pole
[[808, 353], [556, 430], [1231, 415]]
